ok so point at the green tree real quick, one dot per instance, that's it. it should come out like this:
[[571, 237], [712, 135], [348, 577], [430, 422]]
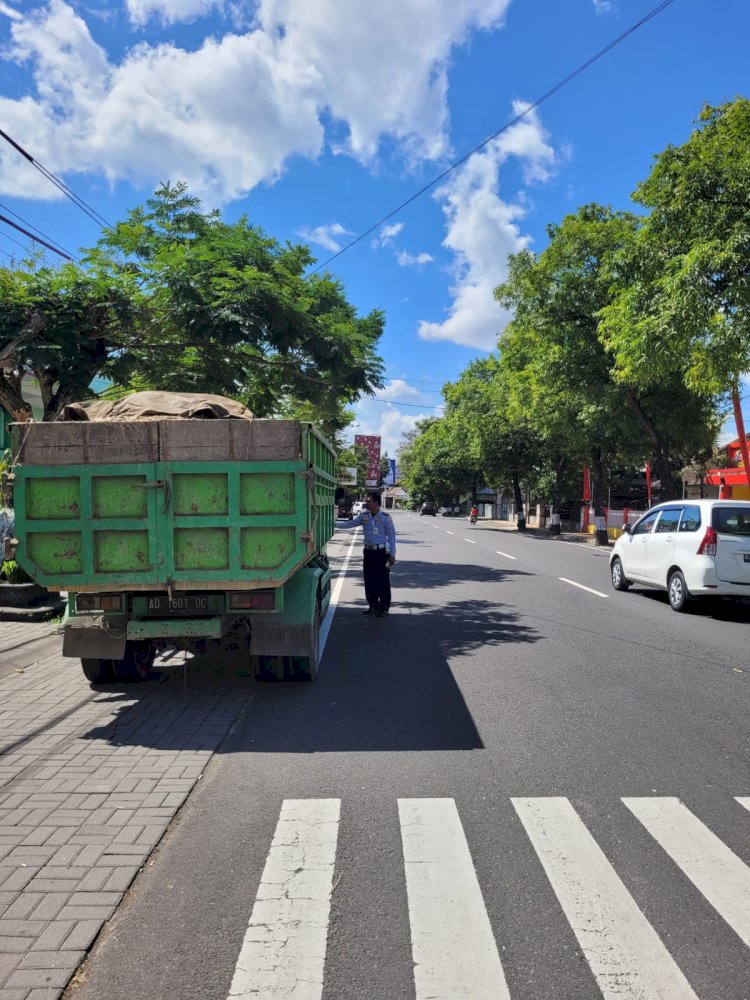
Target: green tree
[[433, 465], [560, 296], [235, 313], [60, 326], [682, 302]]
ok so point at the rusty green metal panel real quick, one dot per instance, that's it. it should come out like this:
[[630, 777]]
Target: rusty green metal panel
[[53, 499], [267, 493], [178, 628], [119, 496], [266, 548], [201, 549], [156, 524], [199, 493], [119, 551], [56, 553]]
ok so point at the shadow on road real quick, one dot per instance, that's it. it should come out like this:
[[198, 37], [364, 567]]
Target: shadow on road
[[385, 684]]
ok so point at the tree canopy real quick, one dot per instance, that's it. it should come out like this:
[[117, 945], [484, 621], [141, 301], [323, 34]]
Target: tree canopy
[[178, 299]]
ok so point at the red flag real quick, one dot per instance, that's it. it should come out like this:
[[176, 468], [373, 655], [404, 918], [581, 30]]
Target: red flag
[[586, 483], [648, 482]]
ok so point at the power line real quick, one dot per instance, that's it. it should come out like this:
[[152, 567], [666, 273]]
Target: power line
[[31, 226], [514, 121], [59, 184], [36, 239], [395, 402]]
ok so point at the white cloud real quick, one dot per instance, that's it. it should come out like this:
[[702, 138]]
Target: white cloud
[[400, 390], [386, 235], [228, 114], [9, 11], [325, 236], [407, 259], [170, 11], [387, 419], [603, 6], [483, 230]]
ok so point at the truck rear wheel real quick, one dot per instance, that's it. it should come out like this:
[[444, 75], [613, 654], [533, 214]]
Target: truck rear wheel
[[136, 664], [99, 671]]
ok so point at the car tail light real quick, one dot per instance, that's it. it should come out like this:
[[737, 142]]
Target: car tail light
[[254, 600], [708, 545], [98, 602]]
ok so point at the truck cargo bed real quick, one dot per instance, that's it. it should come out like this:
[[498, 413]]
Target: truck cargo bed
[[194, 504]]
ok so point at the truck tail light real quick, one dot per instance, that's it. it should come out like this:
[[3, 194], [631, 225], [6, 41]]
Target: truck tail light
[[253, 600], [98, 602], [708, 545]]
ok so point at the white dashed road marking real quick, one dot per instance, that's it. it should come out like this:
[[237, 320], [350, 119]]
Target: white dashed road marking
[[506, 555], [581, 586]]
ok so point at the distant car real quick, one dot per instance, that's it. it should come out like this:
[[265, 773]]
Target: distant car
[[428, 507], [357, 507], [693, 548]]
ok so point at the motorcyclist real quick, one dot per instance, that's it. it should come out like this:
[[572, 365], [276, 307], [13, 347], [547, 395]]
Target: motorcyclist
[[474, 514]]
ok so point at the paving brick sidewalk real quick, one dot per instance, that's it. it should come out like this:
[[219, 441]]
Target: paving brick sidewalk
[[89, 782]]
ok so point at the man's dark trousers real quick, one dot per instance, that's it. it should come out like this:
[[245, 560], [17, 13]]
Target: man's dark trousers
[[377, 579]]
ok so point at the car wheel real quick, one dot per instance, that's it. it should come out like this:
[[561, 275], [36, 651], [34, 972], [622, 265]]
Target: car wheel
[[619, 580], [678, 592]]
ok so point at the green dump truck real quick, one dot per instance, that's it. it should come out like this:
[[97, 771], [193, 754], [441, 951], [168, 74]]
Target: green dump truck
[[178, 532]]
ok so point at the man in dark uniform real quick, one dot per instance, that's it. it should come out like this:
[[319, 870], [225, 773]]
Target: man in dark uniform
[[379, 554]]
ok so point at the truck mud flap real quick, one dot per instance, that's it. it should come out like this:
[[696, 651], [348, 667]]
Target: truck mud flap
[[93, 643], [281, 640]]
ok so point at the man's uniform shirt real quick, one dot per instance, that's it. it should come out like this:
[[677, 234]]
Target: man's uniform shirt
[[378, 529]]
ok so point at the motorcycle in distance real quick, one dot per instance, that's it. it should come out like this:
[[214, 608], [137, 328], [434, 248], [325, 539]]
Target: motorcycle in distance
[[473, 515]]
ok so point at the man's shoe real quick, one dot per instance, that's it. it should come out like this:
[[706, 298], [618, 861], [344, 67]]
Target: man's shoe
[[382, 614], [370, 611]]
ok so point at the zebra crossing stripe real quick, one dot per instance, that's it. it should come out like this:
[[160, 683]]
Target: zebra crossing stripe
[[283, 954], [711, 866], [743, 801], [454, 951], [622, 948]]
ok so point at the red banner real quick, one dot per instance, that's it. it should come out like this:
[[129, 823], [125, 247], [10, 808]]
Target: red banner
[[586, 483], [371, 442]]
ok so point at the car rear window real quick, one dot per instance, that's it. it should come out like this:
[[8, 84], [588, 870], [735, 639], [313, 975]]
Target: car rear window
[[691, 518], [731, 520]]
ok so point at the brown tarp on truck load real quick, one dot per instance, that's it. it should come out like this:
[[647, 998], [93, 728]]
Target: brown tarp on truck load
[[157, 406]]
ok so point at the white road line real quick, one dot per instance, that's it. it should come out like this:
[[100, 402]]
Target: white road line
[[507, 555], [743, 801], [284, 950], [448, 532], [325, 628], [454, 951], [581, 586], [709, 864], [470, 541], [624, 951]]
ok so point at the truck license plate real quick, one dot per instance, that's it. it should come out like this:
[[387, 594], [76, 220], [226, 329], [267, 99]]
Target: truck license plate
[[188, 605]]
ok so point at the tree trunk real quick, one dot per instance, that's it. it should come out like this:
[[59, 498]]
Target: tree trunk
[[598, 497], [11, 397], [518, 499], [663, 465], [554, 521]]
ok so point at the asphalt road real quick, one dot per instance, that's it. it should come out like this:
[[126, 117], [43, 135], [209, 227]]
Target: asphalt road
[[521, 788]]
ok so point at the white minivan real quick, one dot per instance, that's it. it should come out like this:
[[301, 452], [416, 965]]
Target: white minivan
[[690, 548]]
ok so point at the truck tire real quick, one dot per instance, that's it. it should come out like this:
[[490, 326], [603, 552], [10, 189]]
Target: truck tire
[[99, 671], [136, 664]]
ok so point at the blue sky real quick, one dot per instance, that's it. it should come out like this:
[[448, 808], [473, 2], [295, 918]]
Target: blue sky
[[318, 117]]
